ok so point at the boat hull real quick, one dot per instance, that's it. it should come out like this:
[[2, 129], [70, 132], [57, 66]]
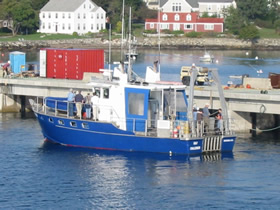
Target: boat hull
[[99, 135]]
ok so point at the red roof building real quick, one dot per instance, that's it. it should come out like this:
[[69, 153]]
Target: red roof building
[[186, 22]]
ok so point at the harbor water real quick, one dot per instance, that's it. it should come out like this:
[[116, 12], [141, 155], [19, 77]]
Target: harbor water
[[36, 174], [40, 175]]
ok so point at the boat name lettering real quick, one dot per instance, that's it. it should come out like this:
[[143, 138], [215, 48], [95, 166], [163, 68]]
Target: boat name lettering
[[195, 148], [228, 140], [195, 143]]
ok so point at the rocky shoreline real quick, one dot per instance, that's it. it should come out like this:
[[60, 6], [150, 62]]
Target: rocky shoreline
[[149, 42]]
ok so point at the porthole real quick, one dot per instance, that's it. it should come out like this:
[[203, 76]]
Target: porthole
[[51, 120], [73, 124], [60, 122], [85, 125]]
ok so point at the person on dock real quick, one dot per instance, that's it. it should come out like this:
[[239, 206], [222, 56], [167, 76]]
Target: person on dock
[[87, 101], [206, 119], [70, 103], [95, 102], [79, 99]]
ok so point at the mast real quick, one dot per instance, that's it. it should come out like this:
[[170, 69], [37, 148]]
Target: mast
[[110, 39], [159, 36], [129, 47], [122, 41]]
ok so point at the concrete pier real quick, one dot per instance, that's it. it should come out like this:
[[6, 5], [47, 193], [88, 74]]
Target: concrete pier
[[249, 108]]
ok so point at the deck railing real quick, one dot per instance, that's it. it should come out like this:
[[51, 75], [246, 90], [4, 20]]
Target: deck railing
[[178, 128]]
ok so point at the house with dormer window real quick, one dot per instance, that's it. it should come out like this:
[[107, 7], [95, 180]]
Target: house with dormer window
[[68, 16], [184, 21]]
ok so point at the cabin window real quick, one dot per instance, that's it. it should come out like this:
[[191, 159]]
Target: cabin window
[[85, 125], [97, 91], [189, 17], [177, 17], [136, 103], [60, 122], [105, 93], [73, 124], [51, 120]]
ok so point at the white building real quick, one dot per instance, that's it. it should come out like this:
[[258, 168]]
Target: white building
[[68, 16]]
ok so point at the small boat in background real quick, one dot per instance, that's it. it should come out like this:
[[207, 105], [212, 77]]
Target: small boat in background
[[207, 58]]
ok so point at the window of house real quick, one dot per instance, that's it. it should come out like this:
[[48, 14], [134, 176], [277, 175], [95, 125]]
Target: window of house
[[101, 15], [188, 17], [164, 26], [177, 17], [78, 26], [63, 15], [84, 15], [89, 6], [69, 15], [56, 15], [91, 26], [209, 7], [97, 26], [50, 15], [176, 7], [164, 17], [63, 26], [43, 15], [152, 25], [188, 26], [97, 16], [43, 25], [84, 6], [69, 26], [49, 26], [84, 26], [78, 15], [209, 26]]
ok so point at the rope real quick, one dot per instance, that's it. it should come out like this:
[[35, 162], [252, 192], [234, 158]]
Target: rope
[[266, 130]]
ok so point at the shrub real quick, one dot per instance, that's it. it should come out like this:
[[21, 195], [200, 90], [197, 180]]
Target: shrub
[[277, 26], [177, 32], [166, 31], [193, 34], [153, 31], [211, 34], [75, 33], [249, 32], [264, 23]]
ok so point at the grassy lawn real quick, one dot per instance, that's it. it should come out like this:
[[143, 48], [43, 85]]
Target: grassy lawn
[[268, 33], [38, 36]]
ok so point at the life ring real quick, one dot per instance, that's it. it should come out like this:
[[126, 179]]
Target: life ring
[[262, 108]]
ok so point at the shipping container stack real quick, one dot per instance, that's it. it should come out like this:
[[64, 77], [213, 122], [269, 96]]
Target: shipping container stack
[[70, 63]]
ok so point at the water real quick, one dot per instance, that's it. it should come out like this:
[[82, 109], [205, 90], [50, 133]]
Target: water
[[41, 175]]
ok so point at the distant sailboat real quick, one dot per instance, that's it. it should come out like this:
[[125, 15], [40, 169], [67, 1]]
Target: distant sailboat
[[206, 58]]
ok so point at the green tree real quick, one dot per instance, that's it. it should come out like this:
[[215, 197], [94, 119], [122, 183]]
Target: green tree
[[252, 9], [277, 26], [38, 4], [20, 14], [233, 20], [249, 32]]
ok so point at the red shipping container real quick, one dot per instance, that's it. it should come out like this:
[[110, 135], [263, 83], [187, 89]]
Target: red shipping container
[[72, 63]]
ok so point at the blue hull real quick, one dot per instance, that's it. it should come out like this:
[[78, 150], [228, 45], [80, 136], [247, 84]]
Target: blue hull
[[99, 135]]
